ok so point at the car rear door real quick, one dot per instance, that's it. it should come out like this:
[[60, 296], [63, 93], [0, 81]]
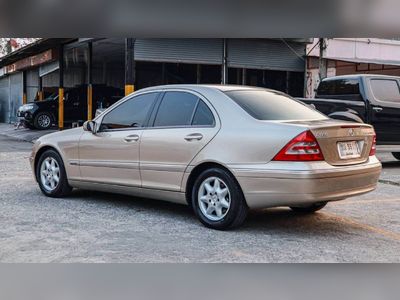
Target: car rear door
[[385, 109], [182, 124], [111, 156]]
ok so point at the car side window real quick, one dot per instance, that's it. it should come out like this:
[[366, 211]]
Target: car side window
[[130, 114], [176, 109], [203, 115], [386, 90]]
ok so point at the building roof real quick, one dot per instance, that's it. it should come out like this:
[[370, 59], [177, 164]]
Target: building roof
[[33, 49], [356, 76]]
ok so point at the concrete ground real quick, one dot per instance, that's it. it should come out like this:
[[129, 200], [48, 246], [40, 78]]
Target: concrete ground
[[101, 227]]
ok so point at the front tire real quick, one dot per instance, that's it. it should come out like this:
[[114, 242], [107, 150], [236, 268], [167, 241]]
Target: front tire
[[310, 208], [51, 175], [28, 125], [43, 121], [218, 200], [396, 155]]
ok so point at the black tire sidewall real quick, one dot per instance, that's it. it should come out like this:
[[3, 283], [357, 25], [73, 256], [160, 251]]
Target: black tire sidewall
[[36, 123], [396, 155], [237, 198], [59, 191]]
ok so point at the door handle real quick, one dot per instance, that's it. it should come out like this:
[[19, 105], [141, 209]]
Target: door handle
[[131, 138], [377, 109], [194, 136]]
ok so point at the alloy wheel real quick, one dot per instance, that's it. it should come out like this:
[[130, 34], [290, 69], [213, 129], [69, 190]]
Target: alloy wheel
[[214, 198], [44, 121], [50, 174]]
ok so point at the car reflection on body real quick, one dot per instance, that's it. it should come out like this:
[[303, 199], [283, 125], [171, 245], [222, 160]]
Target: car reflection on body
[[220, 149]]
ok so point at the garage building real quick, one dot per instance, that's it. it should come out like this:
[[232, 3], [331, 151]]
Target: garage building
[[33, 73]]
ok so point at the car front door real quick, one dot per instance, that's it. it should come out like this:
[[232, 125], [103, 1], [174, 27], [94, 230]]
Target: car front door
[[181, 125], [111, 156], [385, 110]]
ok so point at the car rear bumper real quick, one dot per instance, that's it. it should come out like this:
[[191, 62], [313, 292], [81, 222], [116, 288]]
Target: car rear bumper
[[292, 183]]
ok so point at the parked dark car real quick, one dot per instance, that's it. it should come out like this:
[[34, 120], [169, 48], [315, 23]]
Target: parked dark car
[[367, 98], [43, 114]]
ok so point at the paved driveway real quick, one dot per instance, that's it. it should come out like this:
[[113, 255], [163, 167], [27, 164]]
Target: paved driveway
[[101, 227]]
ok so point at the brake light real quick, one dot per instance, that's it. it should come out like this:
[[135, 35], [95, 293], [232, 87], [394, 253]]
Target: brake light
[[373, 148], [303, 147]]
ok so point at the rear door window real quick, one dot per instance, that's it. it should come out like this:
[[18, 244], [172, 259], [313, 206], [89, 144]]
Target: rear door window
[[176, 109], [386, 90], [203, 115]]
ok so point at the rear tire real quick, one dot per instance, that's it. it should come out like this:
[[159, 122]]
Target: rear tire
[[310, 208], [396, 155], [51, 175], [43, 121], [218, 200]]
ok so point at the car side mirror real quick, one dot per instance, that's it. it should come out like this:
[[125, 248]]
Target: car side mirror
[[90, 126]]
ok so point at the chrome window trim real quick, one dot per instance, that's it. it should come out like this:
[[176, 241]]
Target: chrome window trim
[[161, 92], [200, 98], [128, 98]]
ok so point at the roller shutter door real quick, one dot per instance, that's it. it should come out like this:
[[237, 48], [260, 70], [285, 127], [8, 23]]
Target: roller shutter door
[[16, 88], [4, 99], [266, 54], [193, 51], [32, 84]]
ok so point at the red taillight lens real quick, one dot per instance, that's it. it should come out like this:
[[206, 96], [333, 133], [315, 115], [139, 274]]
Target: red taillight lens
[[303, 147], [373, 148]]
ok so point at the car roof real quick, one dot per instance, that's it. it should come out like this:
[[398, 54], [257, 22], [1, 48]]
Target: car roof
[[357, 76], [197, 87]]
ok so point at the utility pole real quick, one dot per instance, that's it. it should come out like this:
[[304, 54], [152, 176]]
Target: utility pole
[[322, 60], [8, 46]]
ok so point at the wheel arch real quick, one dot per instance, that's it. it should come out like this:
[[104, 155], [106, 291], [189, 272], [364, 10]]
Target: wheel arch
[[197, 170], [41, 151], [346, 116]]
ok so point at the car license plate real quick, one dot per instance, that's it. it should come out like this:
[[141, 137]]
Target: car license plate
[[349, 150]]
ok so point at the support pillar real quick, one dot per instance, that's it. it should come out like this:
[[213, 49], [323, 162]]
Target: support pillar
[[61, 90], [224, 69], [40, 92], [322, 61], [198, 74], [90, 87], [24, 96], [130, 68]]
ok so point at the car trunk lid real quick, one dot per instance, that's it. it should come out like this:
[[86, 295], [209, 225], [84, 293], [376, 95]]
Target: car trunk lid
[[342, 143]]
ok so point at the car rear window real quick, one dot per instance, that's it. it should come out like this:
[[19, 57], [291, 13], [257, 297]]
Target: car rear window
[[271, 105], [334, 87]]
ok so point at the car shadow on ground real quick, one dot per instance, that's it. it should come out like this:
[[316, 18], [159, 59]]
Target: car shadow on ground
[[390, 164], [281, 220]]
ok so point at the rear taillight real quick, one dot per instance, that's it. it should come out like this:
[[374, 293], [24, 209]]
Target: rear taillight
[[373, 148], [303, 147]]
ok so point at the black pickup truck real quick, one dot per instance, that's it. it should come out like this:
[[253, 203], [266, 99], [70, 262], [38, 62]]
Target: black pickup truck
[[367, 98]]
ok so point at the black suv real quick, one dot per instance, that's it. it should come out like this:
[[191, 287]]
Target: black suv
[[43, 114]]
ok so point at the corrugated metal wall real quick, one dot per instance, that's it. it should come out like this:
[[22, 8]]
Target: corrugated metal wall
[[32, 84], [195, 51], [16, 92], [4, 99], [265, 54]]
